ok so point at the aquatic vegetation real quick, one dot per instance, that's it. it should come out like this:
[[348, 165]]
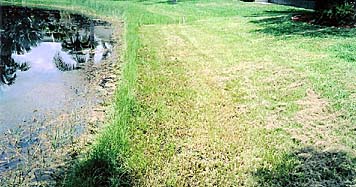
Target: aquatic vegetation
[[44, 112]]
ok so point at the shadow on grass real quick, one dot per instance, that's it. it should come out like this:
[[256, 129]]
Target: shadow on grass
[[98, 170], [310, 167], [280, 23], [169, 2]]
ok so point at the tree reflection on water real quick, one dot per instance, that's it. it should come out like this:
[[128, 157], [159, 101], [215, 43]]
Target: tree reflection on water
[[23, 28]]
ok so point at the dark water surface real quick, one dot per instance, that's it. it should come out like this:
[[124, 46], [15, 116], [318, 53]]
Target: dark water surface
[[43, 53]]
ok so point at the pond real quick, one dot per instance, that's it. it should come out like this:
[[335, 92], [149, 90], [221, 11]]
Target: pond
[[56, 75], [43, 54]]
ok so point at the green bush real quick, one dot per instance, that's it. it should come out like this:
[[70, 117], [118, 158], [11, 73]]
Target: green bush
[[336, 12]]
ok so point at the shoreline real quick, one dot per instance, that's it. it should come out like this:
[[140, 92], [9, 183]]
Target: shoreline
[[39, 154]]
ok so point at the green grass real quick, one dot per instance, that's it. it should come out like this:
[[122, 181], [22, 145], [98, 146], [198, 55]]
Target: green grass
[[224, 93]]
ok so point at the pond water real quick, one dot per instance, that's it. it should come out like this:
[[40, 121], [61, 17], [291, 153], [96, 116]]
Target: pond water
[[43, 54]]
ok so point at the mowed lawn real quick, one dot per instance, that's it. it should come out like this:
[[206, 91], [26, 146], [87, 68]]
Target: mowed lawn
[[225, 93], [245, 97]]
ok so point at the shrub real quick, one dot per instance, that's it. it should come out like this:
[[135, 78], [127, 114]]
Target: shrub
[[336, 12]]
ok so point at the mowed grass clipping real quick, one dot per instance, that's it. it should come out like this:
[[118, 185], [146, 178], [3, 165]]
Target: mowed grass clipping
[[225, 93], [231, 100]]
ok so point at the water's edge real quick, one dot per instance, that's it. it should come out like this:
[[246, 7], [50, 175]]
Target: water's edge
[[39, 153]]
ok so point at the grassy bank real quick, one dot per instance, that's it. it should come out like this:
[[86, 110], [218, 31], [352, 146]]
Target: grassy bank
[[224, 93]]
